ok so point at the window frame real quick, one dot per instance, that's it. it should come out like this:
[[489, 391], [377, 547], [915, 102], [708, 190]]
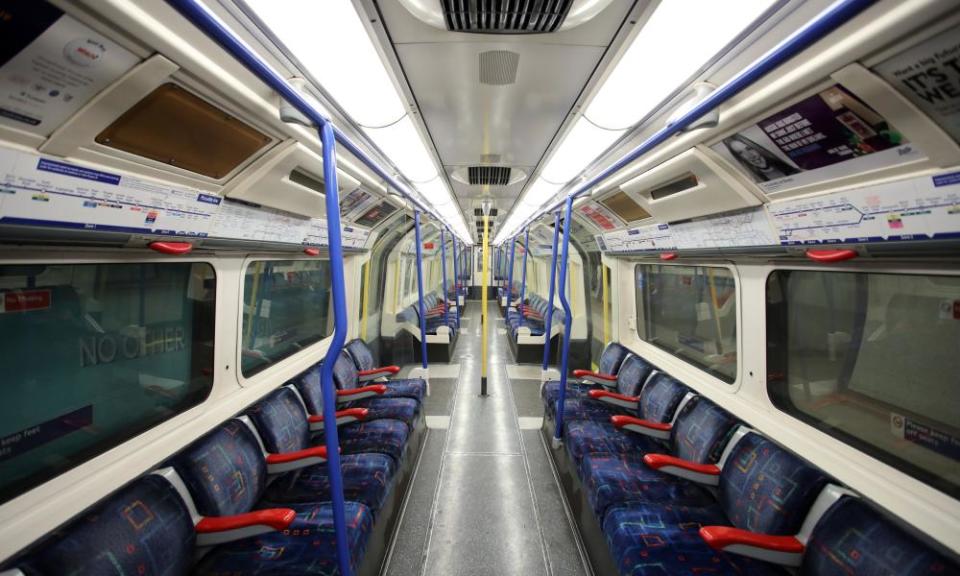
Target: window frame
[[268, 373], [677, 365], [33, 255], [847, 440]]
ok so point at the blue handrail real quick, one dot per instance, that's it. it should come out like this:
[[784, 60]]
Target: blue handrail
[[553, 280], [567, 321], [423, 309], [456, 279], [513, 260], [523, 277], [336, 344], [443, 275]]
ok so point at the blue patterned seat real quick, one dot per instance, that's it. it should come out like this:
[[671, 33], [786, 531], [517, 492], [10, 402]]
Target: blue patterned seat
[[282, 423], [145, 528], [699, 435], [631, 378], [664, 540], [591, 433], [763, 489], [404, 409], [363, 360], [611, 358], [306, 547], [226, 474], [346, 377], [852, 538]]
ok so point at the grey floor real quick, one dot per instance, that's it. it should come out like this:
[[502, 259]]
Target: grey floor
[[485, 500]]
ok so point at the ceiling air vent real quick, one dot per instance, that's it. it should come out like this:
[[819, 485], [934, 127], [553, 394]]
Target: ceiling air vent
[[505, 16], [488, 175], [479, 212], [498, 67]]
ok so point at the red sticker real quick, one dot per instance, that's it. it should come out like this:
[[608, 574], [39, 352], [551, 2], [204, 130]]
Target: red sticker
[[26, 300]]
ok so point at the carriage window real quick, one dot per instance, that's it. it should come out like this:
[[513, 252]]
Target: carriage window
[[94, 354], [691, 312], [286, 307], [873, 360]]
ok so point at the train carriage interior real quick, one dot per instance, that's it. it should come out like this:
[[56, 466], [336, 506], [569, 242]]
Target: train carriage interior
[[479, 287]]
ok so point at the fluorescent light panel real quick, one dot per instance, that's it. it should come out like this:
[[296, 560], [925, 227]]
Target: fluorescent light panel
[[679, 38]]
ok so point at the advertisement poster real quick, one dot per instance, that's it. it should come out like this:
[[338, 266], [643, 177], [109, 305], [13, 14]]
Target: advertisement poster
[[929, 76], [51, 65], [601, 216], [826, 136]]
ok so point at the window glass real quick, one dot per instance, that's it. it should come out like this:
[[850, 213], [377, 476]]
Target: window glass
[[286, 307], [691, 312], [873, 359], [94, 354]]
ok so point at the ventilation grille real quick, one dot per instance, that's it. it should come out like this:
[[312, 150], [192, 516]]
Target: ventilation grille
[[498, 67], [488, 175], [505, 16], [479, 212]]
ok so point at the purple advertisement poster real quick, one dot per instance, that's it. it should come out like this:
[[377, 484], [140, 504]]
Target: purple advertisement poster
[[819, 138]]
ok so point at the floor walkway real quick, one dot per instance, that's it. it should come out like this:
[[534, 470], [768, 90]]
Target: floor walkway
[[485, 501]]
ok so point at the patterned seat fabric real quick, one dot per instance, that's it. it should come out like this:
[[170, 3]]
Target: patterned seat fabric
[[283, 427], [381, 436], [363, 359], [144, 528], [306, 547], [613, 476], [226, 474], [611, 358], [662, 540], [590, 431], [404, 409], [854, 539], [763, 489], [345, 377], [631, 377]]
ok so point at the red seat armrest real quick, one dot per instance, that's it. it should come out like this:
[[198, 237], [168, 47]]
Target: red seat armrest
[[700, 473], [287, 461], [658, 430], [614, 399], [343, 417], [783, 550], [608, 380], [354, 394], [213, 530], [382, 369]]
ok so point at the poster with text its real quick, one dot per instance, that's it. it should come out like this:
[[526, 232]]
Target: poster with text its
[[826, 136], [929, 76], [602, 216], [51, 65]]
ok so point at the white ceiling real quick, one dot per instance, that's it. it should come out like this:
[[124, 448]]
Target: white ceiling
[[467, 119]]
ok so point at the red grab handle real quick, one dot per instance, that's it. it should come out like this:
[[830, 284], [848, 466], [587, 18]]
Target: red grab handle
[[311, 251], [668, 255], [831, 255], [172, 248]]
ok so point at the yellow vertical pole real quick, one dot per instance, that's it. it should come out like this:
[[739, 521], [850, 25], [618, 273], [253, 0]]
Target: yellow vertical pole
[[483, 304], [366, 300]]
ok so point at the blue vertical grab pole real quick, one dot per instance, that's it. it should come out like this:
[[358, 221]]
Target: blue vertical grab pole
[[422, 308], [553, 280], [443, 275], [456, 278], [327, 137], [513, 259], [567, 323], [523, 277]]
